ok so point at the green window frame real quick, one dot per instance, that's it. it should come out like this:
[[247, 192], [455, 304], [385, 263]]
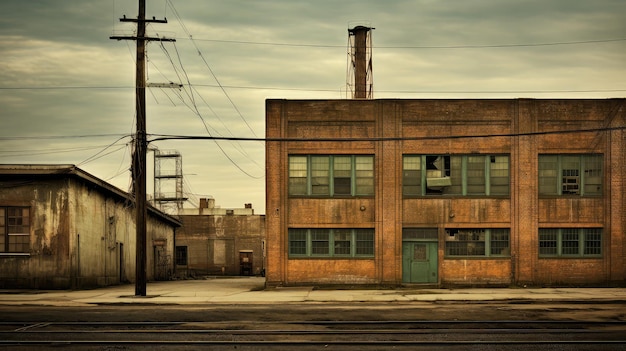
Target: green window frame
[[570, 242], [455, 175], [475, 242], [337, 242], [331, 175], [14, 229], [571, 175]]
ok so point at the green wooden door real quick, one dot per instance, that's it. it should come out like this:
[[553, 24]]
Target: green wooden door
[[419, 262]]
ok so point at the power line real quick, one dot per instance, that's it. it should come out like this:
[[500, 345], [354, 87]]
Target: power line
[[194, 108], [67, 87], [99, 153], [36, 152], [175, 11], [425, 91], [160, 137], [38, 137], [335, 90], [465, 46]]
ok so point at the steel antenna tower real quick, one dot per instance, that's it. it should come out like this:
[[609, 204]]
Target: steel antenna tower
[[168, 181]]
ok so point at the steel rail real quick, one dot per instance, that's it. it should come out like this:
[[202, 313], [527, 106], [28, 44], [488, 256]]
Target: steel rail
[[311, 332], [315, 342], [317, 322]]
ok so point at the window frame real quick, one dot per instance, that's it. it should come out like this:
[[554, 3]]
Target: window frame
[[8, 233], [310, 243], [459, 169], [327, 178], [580, 178], [555, 239], [491, 237], [178, 255]]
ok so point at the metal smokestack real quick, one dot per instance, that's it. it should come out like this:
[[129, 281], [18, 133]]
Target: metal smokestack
[[361, 62]]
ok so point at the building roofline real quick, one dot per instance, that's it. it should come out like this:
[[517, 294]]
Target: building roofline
[[56, 170], [452, 99]]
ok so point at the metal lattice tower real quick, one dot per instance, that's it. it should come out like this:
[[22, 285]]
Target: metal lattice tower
[[168, 181], [360, 80]]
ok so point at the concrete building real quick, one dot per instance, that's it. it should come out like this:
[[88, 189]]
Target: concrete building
[[220, 241], [62, 228], [446, 192]]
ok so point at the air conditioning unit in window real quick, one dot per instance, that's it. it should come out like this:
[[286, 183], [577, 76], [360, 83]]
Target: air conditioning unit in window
[[435, 178]]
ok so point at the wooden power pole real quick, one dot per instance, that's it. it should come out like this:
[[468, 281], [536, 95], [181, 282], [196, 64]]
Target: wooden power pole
[[141, 143]]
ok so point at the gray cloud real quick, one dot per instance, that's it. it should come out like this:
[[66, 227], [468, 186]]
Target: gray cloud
[[51, 44]]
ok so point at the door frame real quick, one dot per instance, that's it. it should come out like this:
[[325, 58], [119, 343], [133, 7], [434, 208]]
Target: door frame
[[432, 259]]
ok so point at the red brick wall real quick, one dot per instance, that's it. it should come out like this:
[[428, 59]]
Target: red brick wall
[[512, 126], [476, 272], [321, 271]]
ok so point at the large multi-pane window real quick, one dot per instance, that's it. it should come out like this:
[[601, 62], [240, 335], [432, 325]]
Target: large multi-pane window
[[570, 242], [570, 175], [455, 175], [331, 175], [323, 242], [478, 242], [15, 229]]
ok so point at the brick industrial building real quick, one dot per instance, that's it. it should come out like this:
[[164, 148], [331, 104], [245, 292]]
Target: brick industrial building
[[446, 192], [220, 241]]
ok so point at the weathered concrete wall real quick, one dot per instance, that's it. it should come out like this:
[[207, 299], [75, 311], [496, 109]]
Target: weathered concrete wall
[[520, 128], [47, 264], [80, 237], [104, 240]]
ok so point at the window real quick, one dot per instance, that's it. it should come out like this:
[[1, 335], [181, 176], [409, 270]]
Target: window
[[298, 242], [570, 242], [14, 229], [331, 175], [297, 175], [570, 175], [342, 240], [364, 242], [320, 242], [181, 255], [331, 242], [455, 175], [426, 234], [478, 242]]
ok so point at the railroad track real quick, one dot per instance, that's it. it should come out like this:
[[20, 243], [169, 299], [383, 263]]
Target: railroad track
[[340, 335]]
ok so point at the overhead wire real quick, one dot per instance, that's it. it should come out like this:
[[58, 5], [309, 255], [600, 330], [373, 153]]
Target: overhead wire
[[36, 152], [334, 90], [99, 153], [121, 171], [36, 137], [196, 110], [465, 46], [184, 27], [157, 137], [194, 106]]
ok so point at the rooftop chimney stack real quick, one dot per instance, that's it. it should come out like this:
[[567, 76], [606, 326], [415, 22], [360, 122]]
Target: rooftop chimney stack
[[360, 79]]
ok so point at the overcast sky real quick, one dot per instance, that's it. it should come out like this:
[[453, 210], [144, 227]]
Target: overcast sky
[[67, 90]]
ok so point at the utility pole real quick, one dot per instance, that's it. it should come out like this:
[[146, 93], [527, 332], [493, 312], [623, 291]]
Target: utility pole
[[141, 144]]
